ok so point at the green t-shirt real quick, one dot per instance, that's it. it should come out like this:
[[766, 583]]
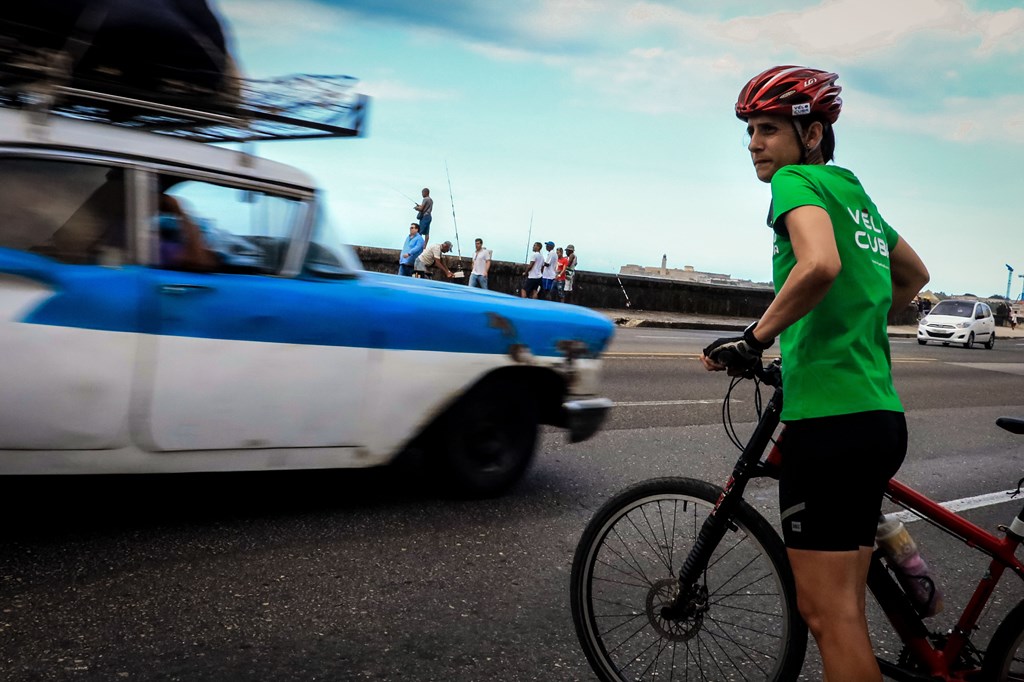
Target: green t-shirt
[[836, 357]]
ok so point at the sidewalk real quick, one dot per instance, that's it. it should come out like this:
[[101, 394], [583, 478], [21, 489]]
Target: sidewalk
[[659, 319]]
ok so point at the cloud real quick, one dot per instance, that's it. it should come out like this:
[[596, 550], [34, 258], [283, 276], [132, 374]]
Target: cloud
[[278, 23], [940, 60], [396, 90], [957, 119]]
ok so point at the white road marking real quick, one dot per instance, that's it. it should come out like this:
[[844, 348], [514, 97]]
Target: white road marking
[[964, 504], [1004, 367], [646, 403]]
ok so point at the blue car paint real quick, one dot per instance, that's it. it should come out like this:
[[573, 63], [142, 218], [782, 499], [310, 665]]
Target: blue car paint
[[371, 310]]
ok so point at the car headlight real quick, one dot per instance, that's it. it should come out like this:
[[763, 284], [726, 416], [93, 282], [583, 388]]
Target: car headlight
[[963, 325]]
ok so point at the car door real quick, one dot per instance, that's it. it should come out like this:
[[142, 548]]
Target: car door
[[69, 303], [245, 356], [990, 321]]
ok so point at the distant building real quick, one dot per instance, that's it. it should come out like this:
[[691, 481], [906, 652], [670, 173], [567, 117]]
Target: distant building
[[689, 274]]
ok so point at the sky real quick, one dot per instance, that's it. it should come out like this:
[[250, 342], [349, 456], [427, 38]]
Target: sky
[[609, 124]]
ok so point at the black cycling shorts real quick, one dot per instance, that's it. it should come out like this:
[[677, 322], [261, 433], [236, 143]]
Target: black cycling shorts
[[834, 471]]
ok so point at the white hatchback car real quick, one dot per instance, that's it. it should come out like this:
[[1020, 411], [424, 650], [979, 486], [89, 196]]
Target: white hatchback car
[[963, 322]]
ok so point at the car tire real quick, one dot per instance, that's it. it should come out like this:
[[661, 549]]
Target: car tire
[[922, 342], [991, 343], [488, 440], [969, 343]]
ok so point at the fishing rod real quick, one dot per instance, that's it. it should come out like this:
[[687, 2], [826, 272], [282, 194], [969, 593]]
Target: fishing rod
[[455, 224], [404, 195], [529, 236], [628, 305]]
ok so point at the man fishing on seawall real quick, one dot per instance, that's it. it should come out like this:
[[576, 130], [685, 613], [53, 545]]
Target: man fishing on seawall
[[424, 211]]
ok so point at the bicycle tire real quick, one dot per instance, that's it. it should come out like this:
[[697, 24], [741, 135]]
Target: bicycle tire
[[770, 644], [1004, 658]]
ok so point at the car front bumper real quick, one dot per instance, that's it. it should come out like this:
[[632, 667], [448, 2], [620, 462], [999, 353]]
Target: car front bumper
[[583, 417], [947, 335]]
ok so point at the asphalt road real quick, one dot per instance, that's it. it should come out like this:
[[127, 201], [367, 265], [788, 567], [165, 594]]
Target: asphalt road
[[366, 575]]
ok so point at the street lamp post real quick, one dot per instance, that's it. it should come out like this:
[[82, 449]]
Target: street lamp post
[[1009, 280], [1021, 288]]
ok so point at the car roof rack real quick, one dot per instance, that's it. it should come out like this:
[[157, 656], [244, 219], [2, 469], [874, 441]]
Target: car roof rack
[[294, 107]]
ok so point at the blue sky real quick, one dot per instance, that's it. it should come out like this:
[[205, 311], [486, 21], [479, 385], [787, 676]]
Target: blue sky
[[610, 122]]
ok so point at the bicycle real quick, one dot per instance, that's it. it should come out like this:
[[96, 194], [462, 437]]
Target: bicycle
[[679, 579]]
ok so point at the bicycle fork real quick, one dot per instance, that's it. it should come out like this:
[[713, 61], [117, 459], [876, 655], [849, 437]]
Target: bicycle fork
[[692, 599]]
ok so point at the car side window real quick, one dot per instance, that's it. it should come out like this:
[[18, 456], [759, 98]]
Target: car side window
[[71, 212], [327, 255], [238, 230]]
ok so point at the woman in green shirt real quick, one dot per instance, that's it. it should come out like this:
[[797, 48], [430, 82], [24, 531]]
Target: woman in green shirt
[[838, 269]]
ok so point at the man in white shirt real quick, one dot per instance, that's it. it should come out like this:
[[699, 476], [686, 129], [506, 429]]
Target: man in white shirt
[[535, 264], [481, 265], [432, 258], [548, 272]]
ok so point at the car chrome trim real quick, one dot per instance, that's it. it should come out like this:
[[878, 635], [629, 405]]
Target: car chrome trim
[[584, 417]]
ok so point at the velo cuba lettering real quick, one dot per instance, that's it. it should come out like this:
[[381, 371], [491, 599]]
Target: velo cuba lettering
[[864, 238]]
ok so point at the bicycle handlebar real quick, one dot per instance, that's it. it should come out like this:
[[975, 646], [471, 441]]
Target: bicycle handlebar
[[769, 374]]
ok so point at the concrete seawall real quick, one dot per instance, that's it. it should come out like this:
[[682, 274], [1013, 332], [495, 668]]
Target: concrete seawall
[[602, 290]]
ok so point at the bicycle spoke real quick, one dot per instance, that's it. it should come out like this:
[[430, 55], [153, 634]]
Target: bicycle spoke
[[654, 534], [744, 648], [637, 657], [726, 552], [654, 661], [636, 563], [752, 611], [714, 638], [623, 623], [714, 660], [644, 585], [654, 549], [740, 588], [719, 623], [635, 633], [664, 535], [734, 575]]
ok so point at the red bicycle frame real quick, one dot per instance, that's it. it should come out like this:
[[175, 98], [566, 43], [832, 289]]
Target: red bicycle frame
[[939, 658]]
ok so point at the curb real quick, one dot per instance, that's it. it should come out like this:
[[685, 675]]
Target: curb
[[632, 323]]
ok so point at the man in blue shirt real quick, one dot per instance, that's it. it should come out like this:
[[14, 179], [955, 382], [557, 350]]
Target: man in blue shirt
[[413, 247]]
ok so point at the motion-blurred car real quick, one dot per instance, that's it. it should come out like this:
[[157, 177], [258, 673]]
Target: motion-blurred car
[[966, 322], [285, 355]]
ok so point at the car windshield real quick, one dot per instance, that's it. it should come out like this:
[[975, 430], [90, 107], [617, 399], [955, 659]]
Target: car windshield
[[954, 309]]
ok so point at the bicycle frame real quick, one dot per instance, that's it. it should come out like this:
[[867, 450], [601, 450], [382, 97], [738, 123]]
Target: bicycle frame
[[937, 658]]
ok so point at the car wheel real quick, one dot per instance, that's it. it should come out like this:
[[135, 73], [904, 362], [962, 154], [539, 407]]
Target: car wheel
[[969, 343], [489, 439], [922, 342], [991, 343]]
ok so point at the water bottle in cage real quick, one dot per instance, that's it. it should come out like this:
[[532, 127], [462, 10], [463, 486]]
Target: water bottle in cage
[[909, 566]]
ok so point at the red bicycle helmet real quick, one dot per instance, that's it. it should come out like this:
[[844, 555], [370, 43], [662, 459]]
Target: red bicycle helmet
[[791, 91]]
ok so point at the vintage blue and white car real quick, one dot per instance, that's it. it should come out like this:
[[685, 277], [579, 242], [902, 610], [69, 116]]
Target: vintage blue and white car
[[286, 355]]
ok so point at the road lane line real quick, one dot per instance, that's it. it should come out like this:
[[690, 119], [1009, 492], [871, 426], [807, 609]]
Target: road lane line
[[963, 504], [646, 403], [621, 355], [615, 355]]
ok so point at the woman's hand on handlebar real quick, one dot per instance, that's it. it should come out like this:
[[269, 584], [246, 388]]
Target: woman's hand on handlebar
[[736, 354]]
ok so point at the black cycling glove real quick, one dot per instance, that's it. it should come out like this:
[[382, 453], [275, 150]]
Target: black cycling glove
[[738, 352]]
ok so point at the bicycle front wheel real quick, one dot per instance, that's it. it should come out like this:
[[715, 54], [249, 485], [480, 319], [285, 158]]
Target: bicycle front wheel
[[625, 571]]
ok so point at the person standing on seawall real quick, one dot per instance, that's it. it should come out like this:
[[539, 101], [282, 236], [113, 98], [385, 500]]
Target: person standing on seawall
[[411, 249], [839, 268], [481, 265], [424, 211]]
